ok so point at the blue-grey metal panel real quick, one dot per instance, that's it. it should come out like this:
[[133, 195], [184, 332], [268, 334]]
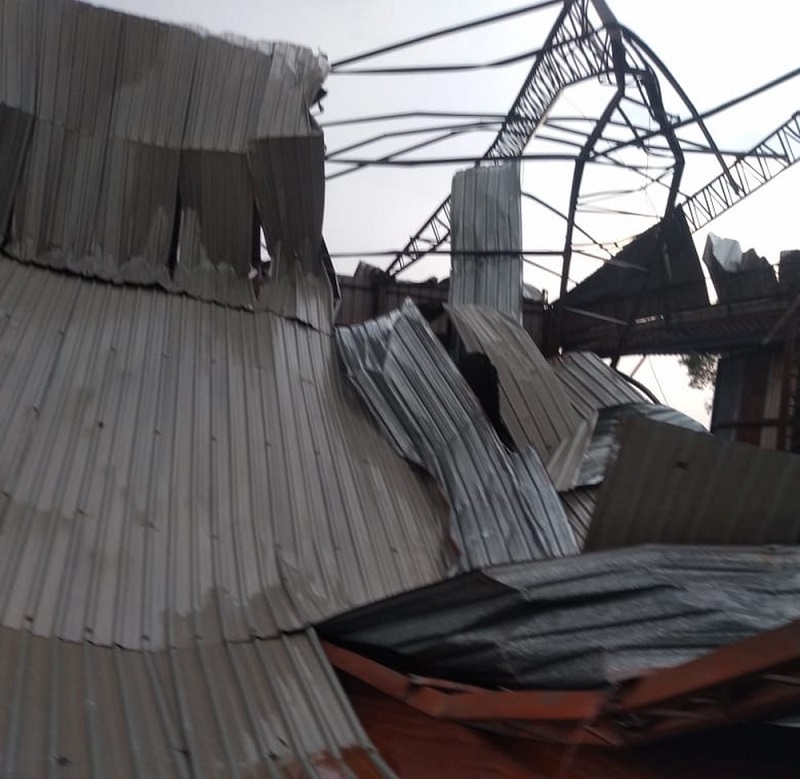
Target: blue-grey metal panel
[[503, 505], [582, 621]]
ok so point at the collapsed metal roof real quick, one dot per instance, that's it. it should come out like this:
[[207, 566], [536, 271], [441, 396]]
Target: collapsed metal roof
[[195, 472]]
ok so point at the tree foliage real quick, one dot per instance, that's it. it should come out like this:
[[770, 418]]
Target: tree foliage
[[702, 369]]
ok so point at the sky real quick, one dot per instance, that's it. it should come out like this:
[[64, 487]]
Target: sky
[[716, 49]]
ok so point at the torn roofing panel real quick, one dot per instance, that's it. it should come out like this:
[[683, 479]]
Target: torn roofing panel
[[486, 239], [738, 275], [533, 405], [258, 708], [579, 622], [171, 468], [503, 506], [125, 155], [675, 486]]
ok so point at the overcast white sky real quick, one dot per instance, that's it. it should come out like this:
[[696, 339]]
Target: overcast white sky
[[716, 48]]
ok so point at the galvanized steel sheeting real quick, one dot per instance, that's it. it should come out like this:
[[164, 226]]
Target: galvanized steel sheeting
[[270, 708], [674, 486], [533, 404], [132, 146], [486, 239], [503, 506], [582, 621], [173, 469]]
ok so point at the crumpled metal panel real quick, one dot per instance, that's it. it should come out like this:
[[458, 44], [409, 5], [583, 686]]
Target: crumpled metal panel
[[138, 165], [533, 405], [582, 621], [503, 505], [737, 274], [173, 469], [671, 485], [258, 708], [486, 239]]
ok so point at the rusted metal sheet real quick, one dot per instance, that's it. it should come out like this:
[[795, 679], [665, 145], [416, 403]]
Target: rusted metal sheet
[[749, 396], [486, 214], [748, 680], [581, 622], [417, 746], [151, 159], [503, 505], [673, 486], [255, 708], [533, 405], [172, 468]]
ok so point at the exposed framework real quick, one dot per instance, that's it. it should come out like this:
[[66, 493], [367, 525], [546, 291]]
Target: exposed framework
[[586, 42]]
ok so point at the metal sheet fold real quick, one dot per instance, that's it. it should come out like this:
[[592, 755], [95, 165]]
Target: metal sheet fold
[[503, 505], [583, 621]]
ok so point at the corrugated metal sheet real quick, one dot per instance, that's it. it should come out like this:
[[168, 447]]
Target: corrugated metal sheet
[[486, 239], [582, 621], [533, 405], [503, 506], [674, 486], [579, 505], [269, 708], [605, 442], [591, 384], [152, 153], [171, 469]]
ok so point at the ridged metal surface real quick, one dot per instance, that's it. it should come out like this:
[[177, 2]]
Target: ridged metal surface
[[487, 239], [503, 506], [149, 154], [271, 708], [579, 505], [674, 486], [582, 621], [591, 384], [605, 441], [173, 469], [533, 405]]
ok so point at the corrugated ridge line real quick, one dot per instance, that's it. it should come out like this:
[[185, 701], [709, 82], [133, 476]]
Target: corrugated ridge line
[[432, 417], [126, 106], [173, 471], [591, 384], [267, 707], [582, 621], [671, 485], [486, 216], [532, 402]]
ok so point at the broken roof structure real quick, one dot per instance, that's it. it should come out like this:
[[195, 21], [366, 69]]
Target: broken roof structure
[[219, 512]]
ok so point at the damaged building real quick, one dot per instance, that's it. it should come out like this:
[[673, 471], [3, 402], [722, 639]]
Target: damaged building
[[282, 524]]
